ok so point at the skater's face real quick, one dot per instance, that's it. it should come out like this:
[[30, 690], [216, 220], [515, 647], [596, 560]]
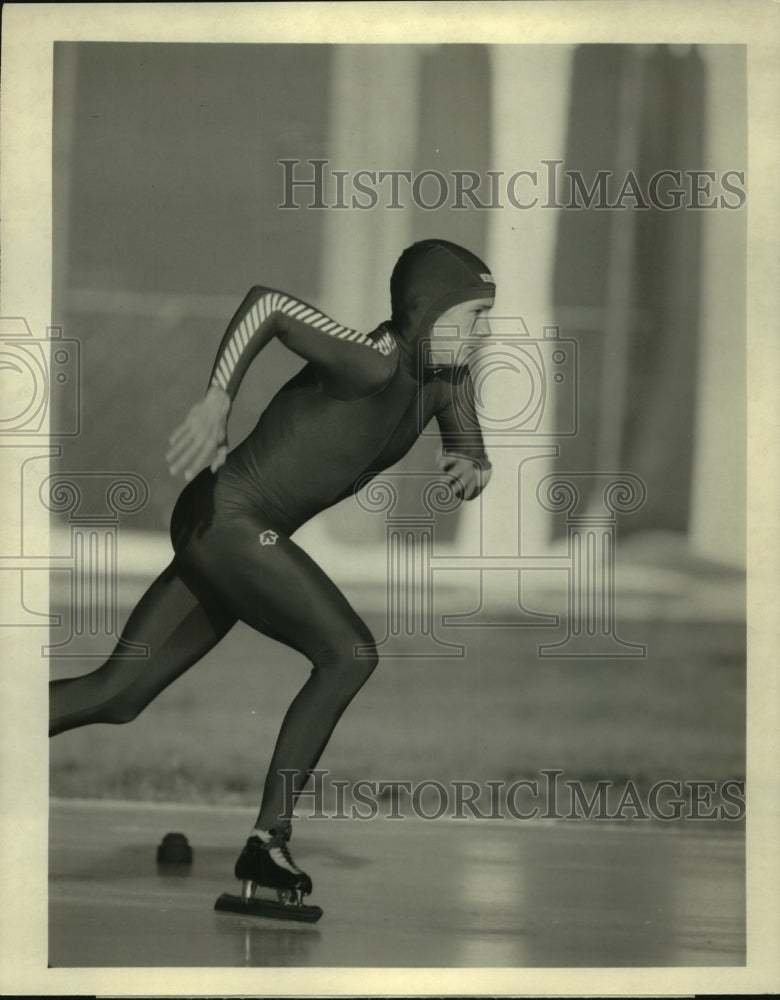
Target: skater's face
[[464, 327]]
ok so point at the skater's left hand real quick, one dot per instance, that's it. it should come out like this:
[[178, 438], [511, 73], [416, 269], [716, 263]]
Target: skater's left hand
[[471, 477], [202, 439]]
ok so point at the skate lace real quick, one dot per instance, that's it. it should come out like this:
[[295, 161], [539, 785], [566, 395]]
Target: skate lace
[[285, 852], [280, 844]]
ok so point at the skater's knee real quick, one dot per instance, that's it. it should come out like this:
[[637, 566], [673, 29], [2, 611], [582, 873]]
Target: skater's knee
[[361, 651], [364, 657], [352, 656]]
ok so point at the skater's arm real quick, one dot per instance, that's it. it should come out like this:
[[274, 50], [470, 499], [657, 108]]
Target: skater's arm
[[463, 449], [351, 364]]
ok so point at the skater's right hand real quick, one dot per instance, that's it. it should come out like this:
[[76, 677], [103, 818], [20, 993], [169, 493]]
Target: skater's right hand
[[202, 439]]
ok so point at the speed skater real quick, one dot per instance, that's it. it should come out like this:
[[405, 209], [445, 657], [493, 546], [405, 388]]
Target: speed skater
[[354, 409]]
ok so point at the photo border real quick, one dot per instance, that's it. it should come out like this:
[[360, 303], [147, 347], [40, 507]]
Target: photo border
[[29, 31]]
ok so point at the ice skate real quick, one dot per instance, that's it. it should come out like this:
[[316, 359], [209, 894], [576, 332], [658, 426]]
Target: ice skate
[[267, 863]]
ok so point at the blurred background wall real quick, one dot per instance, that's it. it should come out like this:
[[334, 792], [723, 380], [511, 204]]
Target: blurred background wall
[[167, 187]]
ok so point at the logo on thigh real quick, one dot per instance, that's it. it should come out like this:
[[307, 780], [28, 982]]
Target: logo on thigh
[[267, 537]]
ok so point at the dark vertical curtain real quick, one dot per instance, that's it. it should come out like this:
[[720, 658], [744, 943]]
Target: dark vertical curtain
[[645, 401], [658, 423], [583, 236], [453, 128]]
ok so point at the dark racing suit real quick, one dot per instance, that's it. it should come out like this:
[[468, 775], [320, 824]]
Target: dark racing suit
[[354, 409]]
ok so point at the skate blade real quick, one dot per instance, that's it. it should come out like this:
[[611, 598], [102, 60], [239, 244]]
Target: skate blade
[[259, 907]]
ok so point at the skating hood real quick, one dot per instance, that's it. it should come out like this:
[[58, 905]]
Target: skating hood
[[429, 278]]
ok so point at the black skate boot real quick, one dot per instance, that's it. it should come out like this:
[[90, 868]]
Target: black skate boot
[[267, 862]]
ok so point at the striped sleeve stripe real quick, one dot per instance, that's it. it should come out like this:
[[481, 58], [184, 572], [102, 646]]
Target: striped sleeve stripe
[[223, 375], [243, 335], [277, 302], [295, 310]]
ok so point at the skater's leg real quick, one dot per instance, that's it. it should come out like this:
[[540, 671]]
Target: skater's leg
[[177, 629], [279, 590], [311, 718]]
